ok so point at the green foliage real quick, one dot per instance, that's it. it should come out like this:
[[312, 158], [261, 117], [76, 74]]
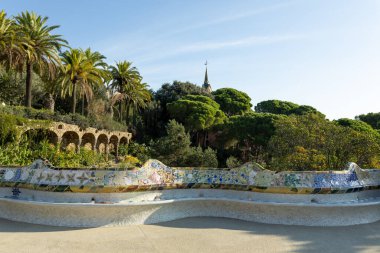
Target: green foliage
[[233, 162], [284, 107], [196, 112], [311, 142], [81, 70], [357, 125], [233, 102], [23, 154], [174, 149], [276, 107], [8, 131], [169, 93], [141, 151], [249, 134], [12, 88], [305, 109], [128, 87], [36, 48], [371, 118], [198, 157], [202, 99]]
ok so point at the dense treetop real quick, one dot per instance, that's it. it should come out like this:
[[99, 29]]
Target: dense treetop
[[232, 101], [172, 92], [283, 107], [371, 118], [196, 112]]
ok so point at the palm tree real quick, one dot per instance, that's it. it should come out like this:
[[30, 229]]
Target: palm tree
[[6, 38], [40, 48], [140, 98], [10, 49], [125, 78], [97, 60], [83, 69]]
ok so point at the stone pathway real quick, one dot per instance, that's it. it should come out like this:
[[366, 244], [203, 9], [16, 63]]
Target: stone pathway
[[190, 235]]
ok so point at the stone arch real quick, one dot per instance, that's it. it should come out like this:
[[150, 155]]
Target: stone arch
[[35, 136], [102, 143], [114, 145], [124, 140], [70, 141], [88, 141]]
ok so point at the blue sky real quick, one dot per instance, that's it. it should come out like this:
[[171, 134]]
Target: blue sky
[[323, 53]]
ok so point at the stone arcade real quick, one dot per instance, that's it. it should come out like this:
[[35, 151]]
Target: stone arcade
[[73, 137]]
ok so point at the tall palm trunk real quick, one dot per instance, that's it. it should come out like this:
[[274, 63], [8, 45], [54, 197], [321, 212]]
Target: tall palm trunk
[[120, 112], [127, 117], [28, 93], [134, 116], [74, 105], [83, 104]]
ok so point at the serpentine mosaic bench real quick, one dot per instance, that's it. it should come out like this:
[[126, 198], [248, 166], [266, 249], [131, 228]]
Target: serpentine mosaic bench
[[154, 193]]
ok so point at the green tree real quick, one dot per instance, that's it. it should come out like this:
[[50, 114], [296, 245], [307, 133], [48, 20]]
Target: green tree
[[371, 118], [79, 70], [168, 93], [357, 125], [140, 99], [40, 48], [284, 107], [310, 142], [232, 101], [98, 61], [11, 86], [305, 109], [249, 133], [174, 149], [196, 112], [9, 48], [172, 92], [125, 79], [276, 107]]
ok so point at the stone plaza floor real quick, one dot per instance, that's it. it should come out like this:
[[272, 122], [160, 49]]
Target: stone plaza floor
[[190, 235]]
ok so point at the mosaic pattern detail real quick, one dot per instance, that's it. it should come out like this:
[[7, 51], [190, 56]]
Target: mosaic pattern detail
[[154, 175]]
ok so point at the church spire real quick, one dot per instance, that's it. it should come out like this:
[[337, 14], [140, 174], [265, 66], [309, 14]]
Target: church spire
[[206, 85]]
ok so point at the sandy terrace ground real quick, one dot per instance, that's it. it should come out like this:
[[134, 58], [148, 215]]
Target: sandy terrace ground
[[190, 235]]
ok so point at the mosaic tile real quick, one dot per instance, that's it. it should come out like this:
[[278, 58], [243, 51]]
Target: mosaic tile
[[155, 175]]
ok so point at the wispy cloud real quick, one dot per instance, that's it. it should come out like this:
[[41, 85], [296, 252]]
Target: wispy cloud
[[140, 45], [234, 17], [248, 41], [218, 45]]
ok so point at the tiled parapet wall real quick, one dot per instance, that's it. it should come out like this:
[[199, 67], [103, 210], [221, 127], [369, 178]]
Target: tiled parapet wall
[[154, 175]]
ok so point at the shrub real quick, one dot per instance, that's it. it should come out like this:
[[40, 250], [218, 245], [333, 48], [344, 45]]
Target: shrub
[[8, 131], [233, 162], [174, 149]]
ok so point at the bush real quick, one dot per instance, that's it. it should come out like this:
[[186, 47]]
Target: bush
[[140, 151], [197, 157], [233, 162], [174, 149], [22, 155], [8, 130]]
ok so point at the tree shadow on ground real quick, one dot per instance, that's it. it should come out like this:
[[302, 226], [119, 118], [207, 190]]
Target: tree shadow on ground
[[347, 239]]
